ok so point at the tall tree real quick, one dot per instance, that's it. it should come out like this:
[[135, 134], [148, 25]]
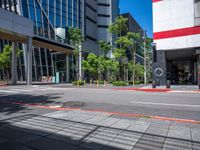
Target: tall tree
[[119, 26], [135, 40], [105, 47], [90, 65], [76, 39], [119, 29], [5, 59]]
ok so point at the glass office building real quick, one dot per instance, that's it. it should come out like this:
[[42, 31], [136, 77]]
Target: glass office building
[[51, 19]]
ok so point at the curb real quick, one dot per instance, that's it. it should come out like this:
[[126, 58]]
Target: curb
[[106, 112], [156, 90]]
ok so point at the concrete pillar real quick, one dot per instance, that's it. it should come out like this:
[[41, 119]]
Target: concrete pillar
[[160, 68], [29, 61], [67, 68], [14, 63]]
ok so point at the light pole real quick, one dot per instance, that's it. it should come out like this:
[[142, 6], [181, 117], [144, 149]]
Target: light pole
[[145, 63], [80, 62]]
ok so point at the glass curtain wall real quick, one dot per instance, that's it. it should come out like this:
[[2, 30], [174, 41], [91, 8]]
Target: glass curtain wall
[[48, 16]]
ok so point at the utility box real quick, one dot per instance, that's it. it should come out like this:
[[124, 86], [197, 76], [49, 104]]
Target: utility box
[[57, 77]]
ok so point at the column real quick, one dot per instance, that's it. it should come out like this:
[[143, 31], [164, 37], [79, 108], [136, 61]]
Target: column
[[160, 68], [29, 61], [67, 68], [14, 63]]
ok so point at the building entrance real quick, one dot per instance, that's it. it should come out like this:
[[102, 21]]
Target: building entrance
[[181, 67]]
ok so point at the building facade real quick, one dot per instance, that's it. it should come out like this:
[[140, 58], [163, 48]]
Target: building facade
[[133, 26], [99, 14], [51, 21], [176, 27]]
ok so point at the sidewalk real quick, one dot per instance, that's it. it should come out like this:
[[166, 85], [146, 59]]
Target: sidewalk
[[61, 130]]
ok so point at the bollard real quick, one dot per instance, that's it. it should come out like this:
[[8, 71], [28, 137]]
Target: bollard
[[104, 83], [97, 82], [168, 84], [153, 84], [90, 82]]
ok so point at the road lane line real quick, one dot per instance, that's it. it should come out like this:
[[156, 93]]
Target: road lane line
[[165, 104], [7, 91]]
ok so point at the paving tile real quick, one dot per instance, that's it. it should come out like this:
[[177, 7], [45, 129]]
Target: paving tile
[[122, 124], [108, 121], [14, 146], [125, 140], [196, 146], [179, 133], [73, 134], [139, 126], [177, 144], [2, 140], [49, 144], [195, 134], [150, 142], [152, 130], [160, 123], [102, 138], [95, 120], [27, 138]]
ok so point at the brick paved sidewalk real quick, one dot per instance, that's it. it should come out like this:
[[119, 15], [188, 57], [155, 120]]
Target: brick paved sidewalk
[[66, 130]]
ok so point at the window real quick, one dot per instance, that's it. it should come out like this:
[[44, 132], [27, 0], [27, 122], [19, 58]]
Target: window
[[25, 9], [197, 12]]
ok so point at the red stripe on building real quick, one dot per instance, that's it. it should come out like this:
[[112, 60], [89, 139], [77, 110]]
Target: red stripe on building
[[154, 1], [177, 33]]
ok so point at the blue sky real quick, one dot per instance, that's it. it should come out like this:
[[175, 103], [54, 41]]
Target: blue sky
[[141, 10]]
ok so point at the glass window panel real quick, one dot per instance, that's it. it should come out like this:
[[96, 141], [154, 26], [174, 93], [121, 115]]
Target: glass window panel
[[25, 9]]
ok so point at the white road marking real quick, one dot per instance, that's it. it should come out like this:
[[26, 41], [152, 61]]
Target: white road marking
[[165, 104], [7, 91], [21, 90]]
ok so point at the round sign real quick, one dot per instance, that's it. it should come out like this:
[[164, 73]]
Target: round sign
[[158, 72]]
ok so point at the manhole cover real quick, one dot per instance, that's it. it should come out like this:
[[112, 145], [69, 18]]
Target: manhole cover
[[73, 104]]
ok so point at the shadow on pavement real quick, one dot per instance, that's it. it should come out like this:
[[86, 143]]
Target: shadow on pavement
[[33, 132], [8, 108]]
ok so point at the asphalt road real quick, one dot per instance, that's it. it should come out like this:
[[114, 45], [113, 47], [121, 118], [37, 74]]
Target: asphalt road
[[176, 105]]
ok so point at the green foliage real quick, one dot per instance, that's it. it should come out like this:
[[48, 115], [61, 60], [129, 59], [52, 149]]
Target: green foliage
[[139, 71], [119, 26], [5, 58], [76, 39], [137, 82], [112, 68], [75, 36], [78, 82], [105, 47], [119, 83], [90, 65]]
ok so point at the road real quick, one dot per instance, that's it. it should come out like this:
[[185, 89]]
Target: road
[[173, 105]]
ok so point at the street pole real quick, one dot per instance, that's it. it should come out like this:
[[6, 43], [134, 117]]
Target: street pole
[[80, 62], [145, 63]]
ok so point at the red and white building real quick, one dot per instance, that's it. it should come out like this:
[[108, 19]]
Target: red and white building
[[176, 27]]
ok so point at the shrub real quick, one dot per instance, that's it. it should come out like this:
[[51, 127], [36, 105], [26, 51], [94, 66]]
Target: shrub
[[79, 82], [119, 83], [101, 82], [136, 82]]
